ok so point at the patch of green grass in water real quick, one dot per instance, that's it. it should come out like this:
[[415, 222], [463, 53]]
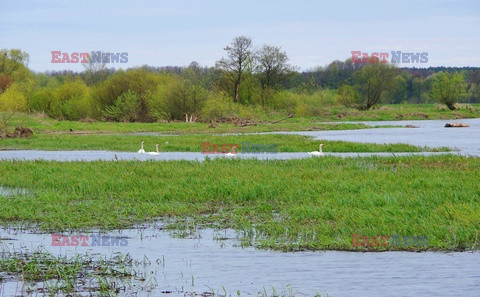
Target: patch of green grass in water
[[66, 274], [312, 204], [193, 143]]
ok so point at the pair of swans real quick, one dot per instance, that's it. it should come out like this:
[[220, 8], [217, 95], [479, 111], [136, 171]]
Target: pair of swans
[[142, 151], [319, 153]]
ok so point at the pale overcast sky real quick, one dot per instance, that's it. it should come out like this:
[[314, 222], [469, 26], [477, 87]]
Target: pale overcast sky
[[176, 32]]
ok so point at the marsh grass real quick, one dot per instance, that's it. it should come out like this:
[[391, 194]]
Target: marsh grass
[[46, 273], [44, 125], [193, 143], [40, 123], [312, 204]]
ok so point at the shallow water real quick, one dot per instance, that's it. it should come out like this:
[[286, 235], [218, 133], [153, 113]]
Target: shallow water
[[214, 263], [431, 133]]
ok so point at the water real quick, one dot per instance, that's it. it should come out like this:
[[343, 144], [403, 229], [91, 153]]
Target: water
[[429, 124], [214, 264], [431, 133]]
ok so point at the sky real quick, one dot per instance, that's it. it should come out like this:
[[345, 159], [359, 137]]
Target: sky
[[177, 32]]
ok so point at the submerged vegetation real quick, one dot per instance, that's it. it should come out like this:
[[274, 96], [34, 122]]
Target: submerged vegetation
[[45, 273], [312, 204]]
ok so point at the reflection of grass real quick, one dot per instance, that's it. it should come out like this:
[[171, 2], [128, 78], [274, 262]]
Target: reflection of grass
[[296, 204], [193, 143], [62, 274]]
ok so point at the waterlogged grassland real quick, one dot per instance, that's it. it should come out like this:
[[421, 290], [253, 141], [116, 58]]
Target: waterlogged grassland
[[310, 204], [193, 143], [63, 275]]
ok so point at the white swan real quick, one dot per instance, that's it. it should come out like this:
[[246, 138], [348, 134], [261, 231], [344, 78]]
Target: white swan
[[141, 150], [154, 153], [317, 154]]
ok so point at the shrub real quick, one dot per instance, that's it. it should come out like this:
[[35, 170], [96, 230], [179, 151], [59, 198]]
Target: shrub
[[125, 109], [41, 100], [13, 99], [285, 100], [218, 106], [347, 96], [72, 101]]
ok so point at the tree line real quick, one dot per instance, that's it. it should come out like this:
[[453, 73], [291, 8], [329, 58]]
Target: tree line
[[248, 81]]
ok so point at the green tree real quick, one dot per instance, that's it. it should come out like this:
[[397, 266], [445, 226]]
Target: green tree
[[372, 80], [13, 63], [398, 91], [13, 59], [448, 88]]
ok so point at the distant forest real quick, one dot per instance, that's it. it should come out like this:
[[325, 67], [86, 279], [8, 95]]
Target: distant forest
[[245, 82]]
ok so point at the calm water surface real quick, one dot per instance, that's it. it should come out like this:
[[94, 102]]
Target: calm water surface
[[216, 263]]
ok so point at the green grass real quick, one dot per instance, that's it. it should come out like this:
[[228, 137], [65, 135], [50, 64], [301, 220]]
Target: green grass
[[312, 204], [43, 124], [193, 143], [395, 112]]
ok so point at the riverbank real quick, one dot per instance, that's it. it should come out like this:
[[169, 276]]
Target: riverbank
[[267, 122]]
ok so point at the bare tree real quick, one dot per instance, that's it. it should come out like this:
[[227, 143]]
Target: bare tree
[[238, 62], [272, 68], [96, 67]]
